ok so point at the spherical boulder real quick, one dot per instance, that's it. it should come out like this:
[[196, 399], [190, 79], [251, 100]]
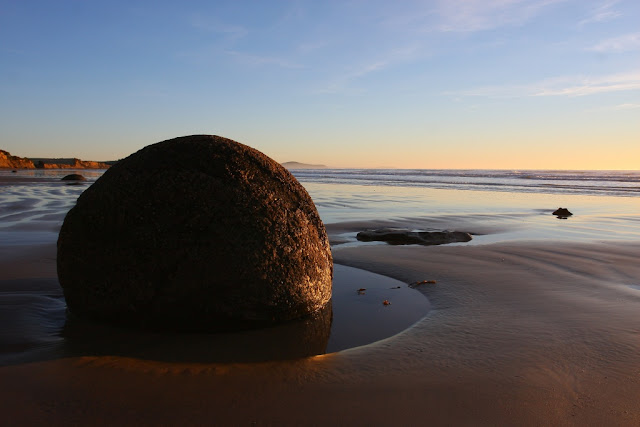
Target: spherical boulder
[[197, 233]]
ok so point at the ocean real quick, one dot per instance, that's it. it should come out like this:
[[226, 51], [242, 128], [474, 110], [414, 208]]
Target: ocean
[[588, 182], [605, 204], [597, 183], [502, 205]]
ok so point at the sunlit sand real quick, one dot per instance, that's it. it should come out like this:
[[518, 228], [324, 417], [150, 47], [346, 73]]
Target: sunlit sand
[[523, 329]]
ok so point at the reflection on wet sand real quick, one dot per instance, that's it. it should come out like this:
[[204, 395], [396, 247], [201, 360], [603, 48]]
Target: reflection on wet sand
[[41, 329]]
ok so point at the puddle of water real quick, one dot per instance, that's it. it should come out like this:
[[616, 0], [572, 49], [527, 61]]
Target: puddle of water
[[361, 318], [40, 330]]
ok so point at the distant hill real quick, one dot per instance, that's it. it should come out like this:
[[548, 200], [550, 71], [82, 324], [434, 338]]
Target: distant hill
[[298, 165]]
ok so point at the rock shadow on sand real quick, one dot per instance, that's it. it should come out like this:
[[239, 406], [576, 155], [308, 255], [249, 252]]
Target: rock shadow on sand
[[352, 319]]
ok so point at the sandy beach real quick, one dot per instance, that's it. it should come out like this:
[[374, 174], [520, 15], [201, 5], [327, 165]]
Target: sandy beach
[[533, 322], [518, 334]]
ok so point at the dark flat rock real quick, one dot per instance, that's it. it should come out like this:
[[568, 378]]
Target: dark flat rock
[[74, 177], [562, 213], [396, 236]]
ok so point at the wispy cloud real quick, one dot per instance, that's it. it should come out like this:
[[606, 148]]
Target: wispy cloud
[[412, 25], [627, 106], [258, 60], [602, 13], [619, 107], [389, 59], [560, 86], [464, 16], [228, 38], [214, 54], [312, 46], [590, 86], [479, 15], [340, 83], [623, 43], [229, 31]]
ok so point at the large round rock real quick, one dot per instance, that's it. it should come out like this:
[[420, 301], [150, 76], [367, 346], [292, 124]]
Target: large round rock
[[198, 232]]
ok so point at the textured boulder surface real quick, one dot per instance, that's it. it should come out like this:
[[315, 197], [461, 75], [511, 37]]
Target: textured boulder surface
[[197, 233], [397, 236]]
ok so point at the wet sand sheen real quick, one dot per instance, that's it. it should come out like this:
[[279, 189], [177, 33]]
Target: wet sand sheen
[[527, 334], [520, 332], [38, 327]]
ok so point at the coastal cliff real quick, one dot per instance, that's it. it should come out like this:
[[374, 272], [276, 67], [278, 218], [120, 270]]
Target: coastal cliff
[[14, 162], [70, 164], [8, 161]]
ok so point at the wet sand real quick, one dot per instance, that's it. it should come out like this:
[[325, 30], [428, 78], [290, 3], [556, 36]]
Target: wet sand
[[538, 333]]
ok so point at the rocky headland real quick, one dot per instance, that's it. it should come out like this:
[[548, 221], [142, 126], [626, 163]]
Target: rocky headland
[[14, 162], [9, 161], [72, 164]]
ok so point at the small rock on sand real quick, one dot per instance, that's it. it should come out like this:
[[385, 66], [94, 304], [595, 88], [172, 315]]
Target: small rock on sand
[[562, 213], [74, 177]]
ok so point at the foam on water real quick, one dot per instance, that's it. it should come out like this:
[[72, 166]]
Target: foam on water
[[607, 183]]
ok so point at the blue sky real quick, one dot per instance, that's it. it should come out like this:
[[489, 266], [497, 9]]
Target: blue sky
[[416, 84]]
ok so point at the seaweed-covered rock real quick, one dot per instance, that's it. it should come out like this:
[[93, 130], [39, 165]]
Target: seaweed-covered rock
[[198, 233], [398, 236]]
